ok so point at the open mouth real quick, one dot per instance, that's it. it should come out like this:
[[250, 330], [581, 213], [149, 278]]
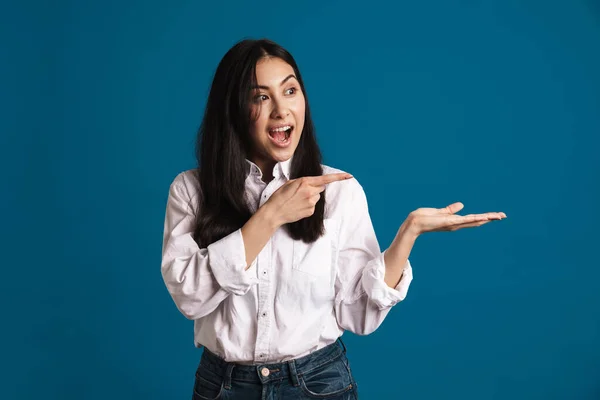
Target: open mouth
[[281, 135]]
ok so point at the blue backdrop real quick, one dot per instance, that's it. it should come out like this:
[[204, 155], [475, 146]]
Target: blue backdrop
[[492, 103]]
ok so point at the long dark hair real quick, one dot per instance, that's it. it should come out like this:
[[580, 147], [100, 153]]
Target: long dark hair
[[223, 144]]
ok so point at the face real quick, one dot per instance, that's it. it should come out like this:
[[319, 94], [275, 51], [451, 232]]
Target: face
[[277, 105]]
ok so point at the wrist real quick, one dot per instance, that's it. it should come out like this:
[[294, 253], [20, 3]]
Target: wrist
[[410, 228], [404, 240], [270, 216]]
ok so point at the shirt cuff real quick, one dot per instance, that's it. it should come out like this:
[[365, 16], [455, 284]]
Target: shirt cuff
[[378, 291], [227, 260]]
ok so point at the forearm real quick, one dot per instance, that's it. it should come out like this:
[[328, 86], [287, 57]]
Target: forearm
[[397, 254], [257, 232]]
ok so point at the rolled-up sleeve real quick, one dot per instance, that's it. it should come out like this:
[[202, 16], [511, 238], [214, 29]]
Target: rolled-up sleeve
[[378, 291], [363, 299], [228, 264], [199, 279]]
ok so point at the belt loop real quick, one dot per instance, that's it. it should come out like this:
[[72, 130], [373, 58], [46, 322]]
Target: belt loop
[[227, 377], [342, 343], [293, 373]]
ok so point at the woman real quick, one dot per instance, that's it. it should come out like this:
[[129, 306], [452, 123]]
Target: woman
[[272, 254]]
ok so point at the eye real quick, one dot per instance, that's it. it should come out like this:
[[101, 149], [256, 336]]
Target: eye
[[260, 97], [291, 91]]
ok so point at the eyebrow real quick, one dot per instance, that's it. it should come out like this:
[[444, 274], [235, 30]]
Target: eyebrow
[[287, 78]]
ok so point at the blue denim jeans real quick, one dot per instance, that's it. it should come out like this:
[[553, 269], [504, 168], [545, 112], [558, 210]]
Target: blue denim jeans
[[324, 374]]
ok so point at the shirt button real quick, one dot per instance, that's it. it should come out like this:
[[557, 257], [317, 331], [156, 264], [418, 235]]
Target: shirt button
[[265, 372], [264, 314]]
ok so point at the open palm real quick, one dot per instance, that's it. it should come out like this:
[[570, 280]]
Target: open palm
[[446, 219]]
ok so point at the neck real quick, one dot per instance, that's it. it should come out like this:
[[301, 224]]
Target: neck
[[266, 178], [266, 167]]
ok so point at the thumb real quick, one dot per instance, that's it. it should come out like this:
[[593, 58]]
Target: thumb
[[452, 208]]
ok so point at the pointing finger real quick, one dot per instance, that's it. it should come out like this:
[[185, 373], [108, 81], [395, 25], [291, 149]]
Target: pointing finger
[[329, 178]]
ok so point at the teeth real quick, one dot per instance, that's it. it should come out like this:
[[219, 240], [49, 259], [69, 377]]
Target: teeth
[[281, 129]]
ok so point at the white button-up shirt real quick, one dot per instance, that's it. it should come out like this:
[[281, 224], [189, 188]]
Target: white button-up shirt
[[295, 298]]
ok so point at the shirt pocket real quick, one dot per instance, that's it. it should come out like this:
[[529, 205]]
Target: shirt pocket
[[318, 259]]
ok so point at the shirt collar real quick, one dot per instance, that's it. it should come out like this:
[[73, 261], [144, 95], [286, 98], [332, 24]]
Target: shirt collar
[[252, 169], [280, 168], [284, 167]]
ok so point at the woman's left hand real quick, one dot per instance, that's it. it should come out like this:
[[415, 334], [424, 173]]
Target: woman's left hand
[[425, 220]]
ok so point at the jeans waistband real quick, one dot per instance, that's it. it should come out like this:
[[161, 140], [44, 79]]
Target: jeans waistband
[[263, 373]]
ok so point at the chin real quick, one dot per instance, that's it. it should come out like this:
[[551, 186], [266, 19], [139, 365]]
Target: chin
[[281, 156]]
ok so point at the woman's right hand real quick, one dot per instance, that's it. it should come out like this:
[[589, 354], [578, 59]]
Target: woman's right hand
[[297, 198]]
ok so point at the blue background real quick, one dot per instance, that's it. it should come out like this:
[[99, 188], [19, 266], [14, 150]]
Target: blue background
[[492, 103]]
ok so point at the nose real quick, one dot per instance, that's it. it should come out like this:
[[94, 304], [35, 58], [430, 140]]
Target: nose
[[280, 111]]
